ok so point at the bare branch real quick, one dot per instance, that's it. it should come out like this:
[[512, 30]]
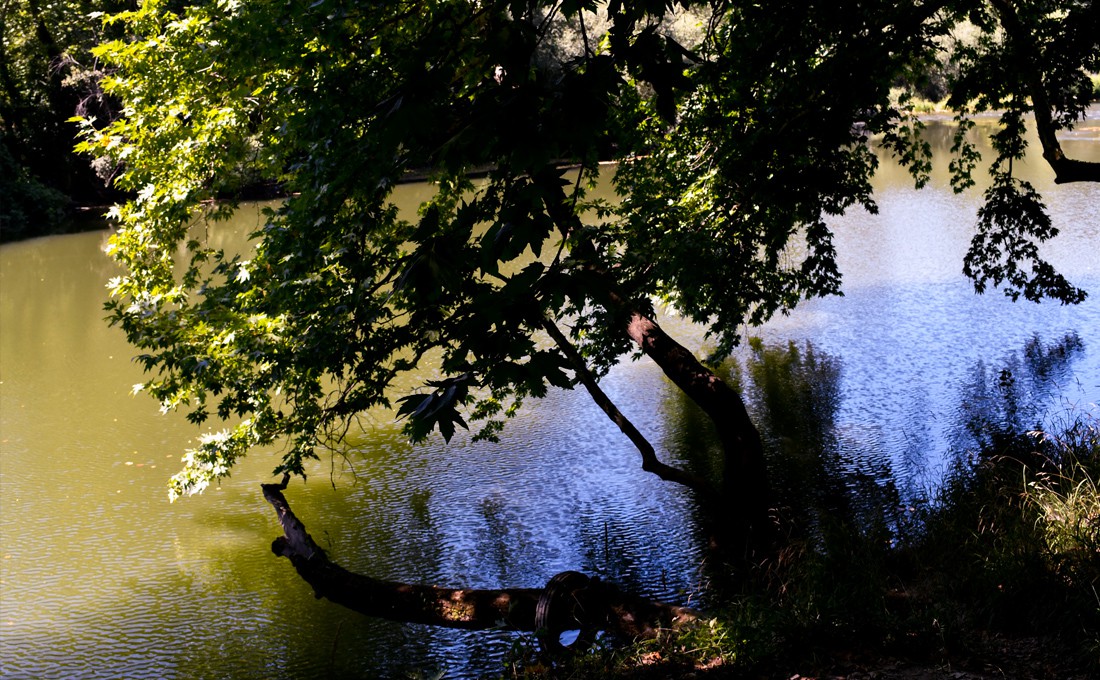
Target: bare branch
[[650, 461]]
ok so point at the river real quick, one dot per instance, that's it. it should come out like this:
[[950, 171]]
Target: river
[[101, 577]]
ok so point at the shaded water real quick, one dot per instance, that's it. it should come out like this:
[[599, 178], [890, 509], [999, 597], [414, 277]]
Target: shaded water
[[101, 577]]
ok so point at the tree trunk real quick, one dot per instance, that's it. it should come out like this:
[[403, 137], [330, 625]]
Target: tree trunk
[[650, 461], [744, 495], [745, 491], [1065, 169], [570, 601]]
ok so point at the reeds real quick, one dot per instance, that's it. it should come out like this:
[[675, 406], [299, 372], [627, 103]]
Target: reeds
[[1065, 499]]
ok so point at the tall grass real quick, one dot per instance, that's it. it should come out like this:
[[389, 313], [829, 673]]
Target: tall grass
[[1064, 496]]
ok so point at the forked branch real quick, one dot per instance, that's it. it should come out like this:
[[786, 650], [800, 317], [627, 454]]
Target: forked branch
[[650, 461]]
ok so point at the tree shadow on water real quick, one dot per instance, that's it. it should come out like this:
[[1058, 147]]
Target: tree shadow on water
[[828, 487], [1000, 404], [985, 573], [821, 486]]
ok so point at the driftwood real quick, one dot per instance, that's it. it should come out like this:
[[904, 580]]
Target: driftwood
[[570, 601]]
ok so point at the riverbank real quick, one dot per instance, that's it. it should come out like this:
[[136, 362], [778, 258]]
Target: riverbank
[[72, 216], [997, 577], [998, 657], [926, 107]]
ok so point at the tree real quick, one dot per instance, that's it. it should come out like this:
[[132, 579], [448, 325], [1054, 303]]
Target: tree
[[733, 152], [47, 76], [1032, 57]]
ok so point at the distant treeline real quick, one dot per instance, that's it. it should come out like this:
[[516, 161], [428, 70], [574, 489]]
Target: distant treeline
[[48, 75]]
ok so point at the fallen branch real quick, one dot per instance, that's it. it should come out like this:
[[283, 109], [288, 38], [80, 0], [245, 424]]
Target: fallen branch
[[570, 601]]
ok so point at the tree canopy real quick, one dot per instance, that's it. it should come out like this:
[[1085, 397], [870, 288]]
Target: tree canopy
[[735, 143]]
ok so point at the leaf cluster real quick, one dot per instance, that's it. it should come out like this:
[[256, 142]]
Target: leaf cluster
[[1028, 58], [733, 153]]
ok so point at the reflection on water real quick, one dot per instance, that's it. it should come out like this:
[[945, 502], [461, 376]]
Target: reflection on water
[[101, 577], [826, 484], [1004, 401], [796, 394]]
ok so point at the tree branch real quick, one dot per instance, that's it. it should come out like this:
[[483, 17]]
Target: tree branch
[[585, 603], [1065, 169], [745, 490], [650, 461]]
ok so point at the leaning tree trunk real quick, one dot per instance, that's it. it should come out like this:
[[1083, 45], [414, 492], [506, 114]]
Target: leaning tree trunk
[[740, 505], [741, 512], [745, 492], [742, 500], [569, 601]]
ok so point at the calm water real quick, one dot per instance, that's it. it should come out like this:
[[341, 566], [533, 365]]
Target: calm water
[[101, 577]]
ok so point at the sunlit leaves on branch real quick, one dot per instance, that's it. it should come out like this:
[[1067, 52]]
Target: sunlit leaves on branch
[[737, 142]]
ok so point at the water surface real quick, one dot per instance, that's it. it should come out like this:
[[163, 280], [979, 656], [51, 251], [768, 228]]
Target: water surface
[[101, 577]]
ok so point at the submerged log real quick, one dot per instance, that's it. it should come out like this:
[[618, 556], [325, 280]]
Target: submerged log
[[570, 601]]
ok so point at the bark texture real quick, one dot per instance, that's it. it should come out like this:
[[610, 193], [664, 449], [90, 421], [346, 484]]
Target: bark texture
[[745, 489]]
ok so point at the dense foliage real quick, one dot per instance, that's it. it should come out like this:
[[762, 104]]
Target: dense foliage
[[734, 149], [47, 75]]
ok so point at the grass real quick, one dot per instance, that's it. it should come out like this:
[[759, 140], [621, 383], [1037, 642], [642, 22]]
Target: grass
[[1000, 569], [1064, 497]]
